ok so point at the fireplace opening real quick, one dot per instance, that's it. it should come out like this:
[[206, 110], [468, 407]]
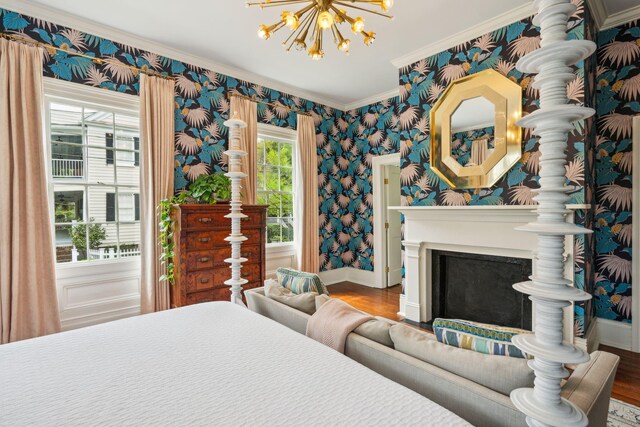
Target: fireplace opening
[[479, 288]]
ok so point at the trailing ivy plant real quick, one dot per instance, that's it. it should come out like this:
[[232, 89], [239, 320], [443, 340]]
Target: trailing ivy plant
[[206, 189]]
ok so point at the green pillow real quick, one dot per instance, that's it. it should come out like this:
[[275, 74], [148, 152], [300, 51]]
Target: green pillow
[[480, 337], [300, 282]]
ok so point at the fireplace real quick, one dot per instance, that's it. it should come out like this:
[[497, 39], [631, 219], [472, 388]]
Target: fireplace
[[479, 288], [480, 230]]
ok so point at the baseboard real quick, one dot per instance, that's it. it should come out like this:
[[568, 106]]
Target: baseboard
[[348, 274], [614, 334], [403, 305]]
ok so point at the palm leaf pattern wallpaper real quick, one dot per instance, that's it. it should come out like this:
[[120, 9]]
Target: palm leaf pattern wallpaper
[[347, 141], [618, 100]]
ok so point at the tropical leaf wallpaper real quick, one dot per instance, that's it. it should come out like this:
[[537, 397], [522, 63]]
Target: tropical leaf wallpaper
[[347, 141], [201, 98], [346, 210], [618, 100]]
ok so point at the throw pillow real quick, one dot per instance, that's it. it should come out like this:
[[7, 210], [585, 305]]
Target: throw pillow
[[480, 337], [501, 374], [305, 302], [300, 282]]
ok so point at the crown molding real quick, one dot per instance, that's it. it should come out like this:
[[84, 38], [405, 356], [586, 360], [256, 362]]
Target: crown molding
[[92, 27], [621, 18], [471, 33], [383, 96], [598, 11]]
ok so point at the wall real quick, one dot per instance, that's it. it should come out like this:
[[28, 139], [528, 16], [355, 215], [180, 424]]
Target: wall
[[201, 95], [421, 85], [618, 100], [346, 214]]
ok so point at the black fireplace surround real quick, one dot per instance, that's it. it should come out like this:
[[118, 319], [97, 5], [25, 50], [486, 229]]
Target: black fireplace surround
[[479, 288]]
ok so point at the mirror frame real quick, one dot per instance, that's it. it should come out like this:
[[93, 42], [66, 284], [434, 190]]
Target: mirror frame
[[506, 96]]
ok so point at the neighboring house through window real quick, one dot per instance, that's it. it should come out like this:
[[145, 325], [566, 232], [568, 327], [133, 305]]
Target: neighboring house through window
[[93, 147]]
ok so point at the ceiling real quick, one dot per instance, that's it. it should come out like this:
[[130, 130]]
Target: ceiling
[[224, 32]]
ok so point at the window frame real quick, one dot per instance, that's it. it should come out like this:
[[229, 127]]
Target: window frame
[[82, 96], [282, 135]]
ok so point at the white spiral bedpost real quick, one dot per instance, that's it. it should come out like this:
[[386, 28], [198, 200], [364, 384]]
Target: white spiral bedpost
[[548, 289], [235, 174]]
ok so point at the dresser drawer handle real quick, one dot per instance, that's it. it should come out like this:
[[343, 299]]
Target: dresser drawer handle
[[205, 239], [245, 254], [205, 219], [245, 219], [204, 259], [204, 280], [244, 275]]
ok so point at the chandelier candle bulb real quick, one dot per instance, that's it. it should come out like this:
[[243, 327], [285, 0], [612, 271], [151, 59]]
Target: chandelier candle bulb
[[309, 23]]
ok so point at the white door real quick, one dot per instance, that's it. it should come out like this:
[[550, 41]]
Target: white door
[[394, 238]]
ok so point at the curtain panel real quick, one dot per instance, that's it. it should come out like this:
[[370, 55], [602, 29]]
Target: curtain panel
[[28, 298], [247, 111], [156, 183], [307, 234]]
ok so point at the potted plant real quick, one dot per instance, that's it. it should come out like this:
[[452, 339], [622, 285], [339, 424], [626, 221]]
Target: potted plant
[[206, 189]]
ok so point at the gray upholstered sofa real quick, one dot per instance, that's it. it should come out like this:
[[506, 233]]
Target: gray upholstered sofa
[[589, 386]]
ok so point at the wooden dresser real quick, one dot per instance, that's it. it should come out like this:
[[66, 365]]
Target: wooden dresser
[[200, 251]]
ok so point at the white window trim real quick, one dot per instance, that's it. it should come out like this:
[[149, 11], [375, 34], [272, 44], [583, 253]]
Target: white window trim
[[79, 95], [280, 133]]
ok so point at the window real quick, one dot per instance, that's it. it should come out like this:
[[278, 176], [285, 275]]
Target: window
[[275, 186], [93, 144]]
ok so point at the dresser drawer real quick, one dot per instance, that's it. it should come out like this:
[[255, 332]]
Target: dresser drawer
[[208, 219], [250, 252], [219, 294], [207, 279], [199, 260], [251, 272], [201, 240]]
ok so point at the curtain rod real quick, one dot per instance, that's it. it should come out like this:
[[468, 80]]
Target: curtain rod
[[259, 101], [99, 61]]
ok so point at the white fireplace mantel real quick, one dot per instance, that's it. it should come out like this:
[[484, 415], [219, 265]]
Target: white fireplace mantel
[[485, 230]]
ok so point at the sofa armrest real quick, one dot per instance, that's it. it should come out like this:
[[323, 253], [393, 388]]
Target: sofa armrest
[[590, 385], [288, 316]]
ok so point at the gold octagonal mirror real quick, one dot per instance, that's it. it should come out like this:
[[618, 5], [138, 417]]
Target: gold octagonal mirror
[[474, 136]]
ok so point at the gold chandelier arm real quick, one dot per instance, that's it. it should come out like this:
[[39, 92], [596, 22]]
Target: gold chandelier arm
[[342, 15], [275, 3], [305, 22], [363, 9]]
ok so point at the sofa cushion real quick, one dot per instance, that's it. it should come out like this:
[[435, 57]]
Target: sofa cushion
[[321, 299], [501, 374], [376, 330], [480, 337], [305, 302], [300, 282]]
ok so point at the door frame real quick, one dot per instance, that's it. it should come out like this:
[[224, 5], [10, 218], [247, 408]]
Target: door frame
[[380, 215]]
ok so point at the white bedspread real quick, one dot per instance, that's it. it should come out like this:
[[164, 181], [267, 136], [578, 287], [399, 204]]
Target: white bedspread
[[207, 364]]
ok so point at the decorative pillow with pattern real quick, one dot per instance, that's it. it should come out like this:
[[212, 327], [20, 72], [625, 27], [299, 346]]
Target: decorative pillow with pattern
[[300, 282], [480, 337]]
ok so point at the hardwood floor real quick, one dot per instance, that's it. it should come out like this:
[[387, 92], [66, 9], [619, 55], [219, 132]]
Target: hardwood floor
[[385, 303]]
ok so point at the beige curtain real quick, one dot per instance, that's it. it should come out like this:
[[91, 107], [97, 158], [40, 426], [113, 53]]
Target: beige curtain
[[247, 111], [479, 150], [156, 182], [28, 300], [307, 233]]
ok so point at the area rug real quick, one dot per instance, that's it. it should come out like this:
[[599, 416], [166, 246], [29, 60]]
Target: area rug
[[623, 414]]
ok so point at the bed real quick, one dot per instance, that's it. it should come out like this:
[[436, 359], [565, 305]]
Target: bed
[[207, 364]]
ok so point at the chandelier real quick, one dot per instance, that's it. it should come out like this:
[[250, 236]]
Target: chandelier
[[308, 24]]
